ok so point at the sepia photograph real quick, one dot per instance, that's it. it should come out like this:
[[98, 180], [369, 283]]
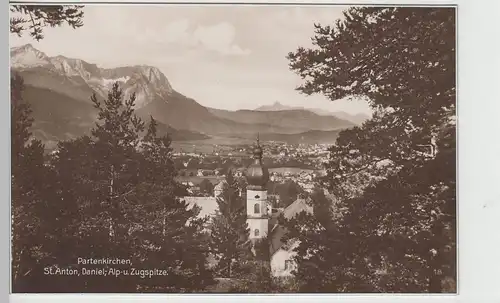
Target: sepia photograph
[[231, 148]]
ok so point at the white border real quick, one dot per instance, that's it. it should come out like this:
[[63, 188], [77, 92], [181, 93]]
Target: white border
[[478, 169]]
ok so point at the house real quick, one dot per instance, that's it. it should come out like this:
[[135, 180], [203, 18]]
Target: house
[[282, 252], [208, 205]]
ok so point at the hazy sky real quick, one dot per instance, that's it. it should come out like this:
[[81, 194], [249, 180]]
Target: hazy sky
[[229, 57]]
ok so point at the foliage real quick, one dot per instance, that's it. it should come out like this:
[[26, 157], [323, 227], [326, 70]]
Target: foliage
[[206, 187], [178, 241], [34, 18], [115, 197], [229, 231], [28, 190], [287, 191], [255, 273], [394, 175]]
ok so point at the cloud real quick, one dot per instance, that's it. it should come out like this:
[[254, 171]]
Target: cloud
[[176, 32], [220, 38]]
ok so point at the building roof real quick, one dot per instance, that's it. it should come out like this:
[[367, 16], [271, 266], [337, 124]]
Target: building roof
[[276, 239], [278, 231], [208, 205], [296, 207]]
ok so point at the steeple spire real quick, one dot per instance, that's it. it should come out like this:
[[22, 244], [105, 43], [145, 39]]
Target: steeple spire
[[257, 152]]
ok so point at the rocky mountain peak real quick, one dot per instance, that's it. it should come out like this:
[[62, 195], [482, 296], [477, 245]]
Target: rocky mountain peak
[[154, 76], [148, 82], [27, 56]]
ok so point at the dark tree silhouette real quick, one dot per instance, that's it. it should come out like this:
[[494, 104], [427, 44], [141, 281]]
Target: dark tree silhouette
[[206, 187], [229, 230], [398, 220], [27, 191], [34, 18], [112, 195], [288, 192]]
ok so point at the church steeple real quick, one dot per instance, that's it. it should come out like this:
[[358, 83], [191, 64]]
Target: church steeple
[[257, 174], [257, 178]]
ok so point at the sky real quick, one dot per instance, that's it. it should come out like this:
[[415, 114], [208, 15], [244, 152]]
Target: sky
[[227, 57]]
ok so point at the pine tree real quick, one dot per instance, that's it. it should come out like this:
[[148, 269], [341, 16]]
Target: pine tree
[[116, 142], [39, 229], [35, 18], [28, 194], [96, 180], [171, 235], [254, 275], [119, 194], [229, 230]]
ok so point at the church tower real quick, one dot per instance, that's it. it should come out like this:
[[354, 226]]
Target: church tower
[[257, 214]]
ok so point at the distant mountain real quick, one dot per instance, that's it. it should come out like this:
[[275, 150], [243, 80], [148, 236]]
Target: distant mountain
[[60, 88], [58, 117], [292, 121], [185, 113], [277, 106], [357, 118]]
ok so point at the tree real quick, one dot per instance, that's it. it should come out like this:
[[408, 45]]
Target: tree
[[255, 271], [121, 182], [273, 201], [206, 187], [229, 230], [34, 194], [96, 180], [35, 18], [27, 192], [402, 61], [171, 234], [288, 192]]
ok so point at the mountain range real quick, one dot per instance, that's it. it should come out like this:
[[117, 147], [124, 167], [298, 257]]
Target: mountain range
[[277, 106], [59, 90]]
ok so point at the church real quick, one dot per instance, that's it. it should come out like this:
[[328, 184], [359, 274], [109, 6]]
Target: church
[[262, 218]]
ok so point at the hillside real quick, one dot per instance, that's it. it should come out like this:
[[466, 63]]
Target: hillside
[[184, 113], [357, 119], [295, 121], [58, 117]]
